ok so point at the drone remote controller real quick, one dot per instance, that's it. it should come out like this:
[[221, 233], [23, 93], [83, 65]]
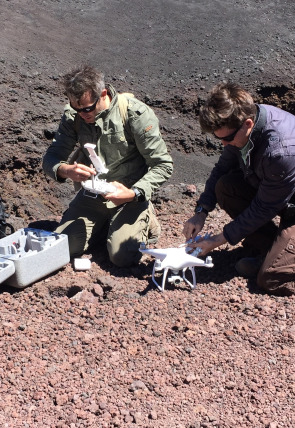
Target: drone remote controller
[[96, 185], [97, 162]]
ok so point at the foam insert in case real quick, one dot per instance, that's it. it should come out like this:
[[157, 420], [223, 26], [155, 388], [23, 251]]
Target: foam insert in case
[[6, 269]]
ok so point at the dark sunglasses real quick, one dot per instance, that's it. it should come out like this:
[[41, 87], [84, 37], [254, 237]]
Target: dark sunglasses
[[85, 109], [229, 137]]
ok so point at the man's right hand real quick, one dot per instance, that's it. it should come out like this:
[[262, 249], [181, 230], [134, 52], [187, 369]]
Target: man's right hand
[[76, 172], [194, 225]]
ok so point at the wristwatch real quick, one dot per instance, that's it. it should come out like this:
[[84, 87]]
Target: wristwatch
[[201, 209], [139, 196]]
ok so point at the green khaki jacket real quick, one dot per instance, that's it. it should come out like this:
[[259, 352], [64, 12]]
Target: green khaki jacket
[[134, 153]]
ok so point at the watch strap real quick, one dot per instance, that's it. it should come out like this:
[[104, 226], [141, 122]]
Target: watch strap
[[139, 196], [201, 209]]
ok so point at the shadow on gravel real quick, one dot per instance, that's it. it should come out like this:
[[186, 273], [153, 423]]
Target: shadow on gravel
[[224, 270], [254, 289], [10, 290], [224, 266]]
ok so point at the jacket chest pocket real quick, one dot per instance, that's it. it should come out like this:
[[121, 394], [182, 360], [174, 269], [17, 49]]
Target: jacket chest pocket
[[114, 137], [87, 137], [114, 145]]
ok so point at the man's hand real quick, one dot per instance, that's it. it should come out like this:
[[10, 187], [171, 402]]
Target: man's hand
[[121, 195], [194, 225], [208, 244], [76, 172]]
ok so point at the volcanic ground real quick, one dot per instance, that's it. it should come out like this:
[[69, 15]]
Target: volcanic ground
[[104, 348]]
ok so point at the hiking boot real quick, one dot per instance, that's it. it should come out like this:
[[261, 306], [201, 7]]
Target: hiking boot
[[154, 226], [248, 267]]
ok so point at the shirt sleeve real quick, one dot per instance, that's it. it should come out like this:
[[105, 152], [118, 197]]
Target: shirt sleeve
[[144, 126], [274, 192], [61, 147]]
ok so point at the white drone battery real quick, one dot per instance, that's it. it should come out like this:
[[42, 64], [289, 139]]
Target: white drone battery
[[82, 264]]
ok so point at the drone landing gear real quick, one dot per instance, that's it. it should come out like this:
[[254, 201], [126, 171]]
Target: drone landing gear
[[174, 278]]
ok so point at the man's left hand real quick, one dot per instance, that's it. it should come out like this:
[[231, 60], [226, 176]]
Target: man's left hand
[[121, 195], [208, 244]]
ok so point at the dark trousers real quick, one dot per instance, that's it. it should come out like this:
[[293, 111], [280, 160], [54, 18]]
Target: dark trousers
[[88, 219], [277, 244]]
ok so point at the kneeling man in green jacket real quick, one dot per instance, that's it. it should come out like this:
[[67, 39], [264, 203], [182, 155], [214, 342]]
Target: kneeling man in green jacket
[[129, 143]]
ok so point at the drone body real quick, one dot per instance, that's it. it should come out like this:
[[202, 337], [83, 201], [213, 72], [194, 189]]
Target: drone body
[[174, 259]]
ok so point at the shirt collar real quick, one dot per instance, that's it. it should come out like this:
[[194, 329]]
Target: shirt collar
[[260, 121], [102, 114]]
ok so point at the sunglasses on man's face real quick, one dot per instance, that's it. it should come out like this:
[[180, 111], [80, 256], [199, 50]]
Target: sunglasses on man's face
[[229, 137], [85, 109]]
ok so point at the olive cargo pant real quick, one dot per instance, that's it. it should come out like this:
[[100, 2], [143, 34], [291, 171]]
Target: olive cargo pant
[[277, 273], [88, 220]]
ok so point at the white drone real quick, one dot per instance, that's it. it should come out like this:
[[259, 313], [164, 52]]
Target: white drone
[[176, 259]]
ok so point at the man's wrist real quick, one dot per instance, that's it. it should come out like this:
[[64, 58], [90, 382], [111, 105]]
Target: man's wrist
[[200, 209], [139, 196], [62, 170]]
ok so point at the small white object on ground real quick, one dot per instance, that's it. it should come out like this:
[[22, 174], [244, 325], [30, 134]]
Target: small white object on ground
[[82, 264]]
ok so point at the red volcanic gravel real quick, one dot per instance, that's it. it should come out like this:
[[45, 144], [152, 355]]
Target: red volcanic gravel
[[104, 348]]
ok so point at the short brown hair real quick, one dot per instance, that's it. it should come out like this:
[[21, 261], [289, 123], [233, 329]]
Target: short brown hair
[[228, 104], [83, 79]]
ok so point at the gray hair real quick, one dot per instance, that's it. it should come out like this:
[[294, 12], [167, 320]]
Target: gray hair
[[83, 79]]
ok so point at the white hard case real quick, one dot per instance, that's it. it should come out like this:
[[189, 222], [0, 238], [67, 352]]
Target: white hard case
[[34, 254]]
